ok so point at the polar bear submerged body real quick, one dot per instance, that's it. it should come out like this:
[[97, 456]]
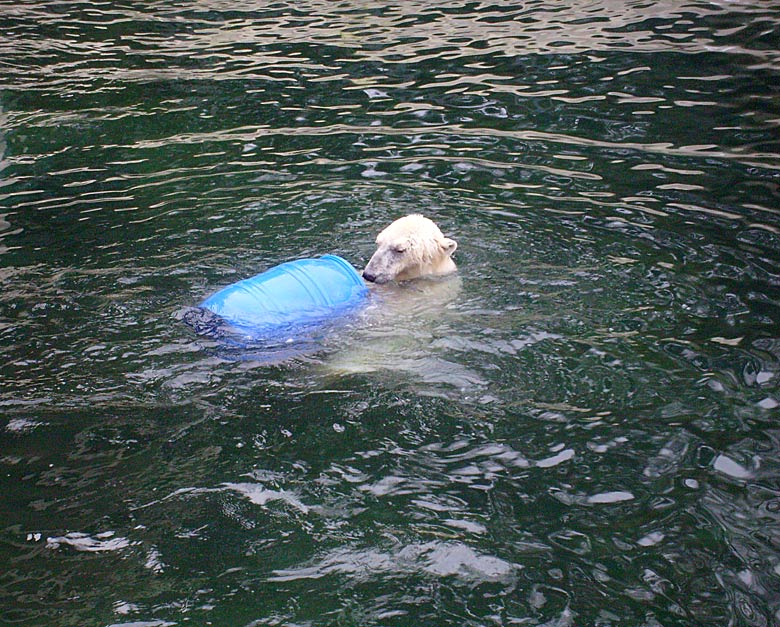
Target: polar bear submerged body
[[411, 247]]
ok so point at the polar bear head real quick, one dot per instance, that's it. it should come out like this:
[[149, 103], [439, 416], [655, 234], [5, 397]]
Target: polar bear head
[[411, 247]]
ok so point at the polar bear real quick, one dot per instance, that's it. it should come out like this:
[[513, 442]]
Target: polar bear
[[411, 247], [403, 329]]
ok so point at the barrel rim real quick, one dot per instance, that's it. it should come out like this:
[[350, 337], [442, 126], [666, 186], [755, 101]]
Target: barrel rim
[[354, 274]]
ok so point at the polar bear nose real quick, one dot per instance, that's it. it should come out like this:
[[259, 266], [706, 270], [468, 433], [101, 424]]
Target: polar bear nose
[[369, 276]]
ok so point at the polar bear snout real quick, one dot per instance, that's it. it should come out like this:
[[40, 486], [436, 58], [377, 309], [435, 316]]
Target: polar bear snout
[[369, 276], [379, 268]]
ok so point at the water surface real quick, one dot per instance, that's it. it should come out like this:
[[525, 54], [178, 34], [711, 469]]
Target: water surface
[[580, 430]]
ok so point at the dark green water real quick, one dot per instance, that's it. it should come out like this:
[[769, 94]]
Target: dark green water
[[585, 434]]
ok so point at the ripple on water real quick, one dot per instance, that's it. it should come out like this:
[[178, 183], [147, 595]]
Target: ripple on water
[[441, 559]]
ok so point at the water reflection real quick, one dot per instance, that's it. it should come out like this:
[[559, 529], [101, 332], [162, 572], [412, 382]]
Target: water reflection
[[208, 33], [435, 558]]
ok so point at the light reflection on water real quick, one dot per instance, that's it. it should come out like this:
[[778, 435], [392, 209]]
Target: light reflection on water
[[578, 429]]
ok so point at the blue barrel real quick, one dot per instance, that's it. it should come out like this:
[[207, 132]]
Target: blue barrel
[[292, 294]]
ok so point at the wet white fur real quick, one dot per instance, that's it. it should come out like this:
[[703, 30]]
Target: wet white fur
[[411, 247]]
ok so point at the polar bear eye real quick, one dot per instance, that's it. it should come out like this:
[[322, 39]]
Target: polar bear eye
[[399, 249]]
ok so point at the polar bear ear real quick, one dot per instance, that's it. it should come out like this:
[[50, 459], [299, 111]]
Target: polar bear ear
[[449, 245]]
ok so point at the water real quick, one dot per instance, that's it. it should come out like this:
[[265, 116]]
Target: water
[[580, 430]]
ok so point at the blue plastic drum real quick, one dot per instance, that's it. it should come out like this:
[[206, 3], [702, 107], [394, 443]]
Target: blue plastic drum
[[290, 295]]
